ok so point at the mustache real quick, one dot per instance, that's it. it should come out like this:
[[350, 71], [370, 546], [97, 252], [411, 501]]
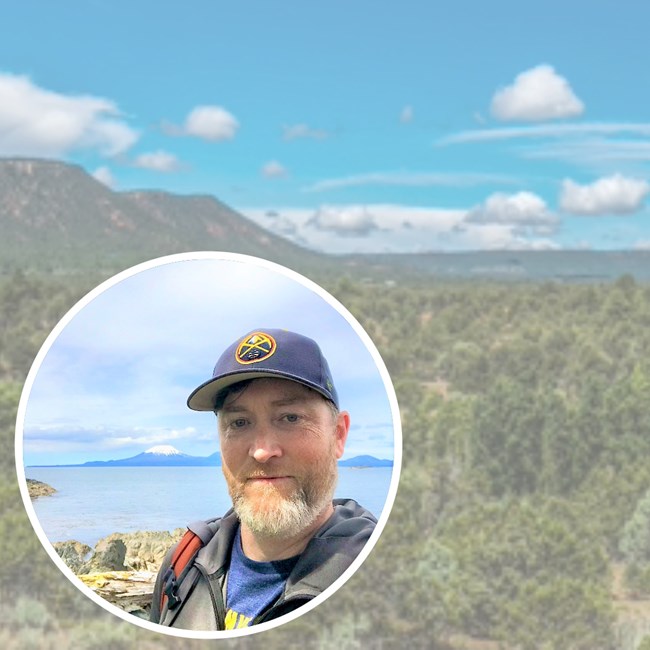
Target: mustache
[[262, 473]]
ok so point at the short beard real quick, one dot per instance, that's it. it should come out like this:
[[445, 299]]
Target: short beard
[[289, 516]]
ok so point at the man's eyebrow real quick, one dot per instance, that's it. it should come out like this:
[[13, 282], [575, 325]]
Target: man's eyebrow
[[233, 408], [282, 401]]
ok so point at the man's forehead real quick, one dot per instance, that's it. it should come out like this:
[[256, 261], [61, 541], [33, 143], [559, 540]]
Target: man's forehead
[[274, 389]]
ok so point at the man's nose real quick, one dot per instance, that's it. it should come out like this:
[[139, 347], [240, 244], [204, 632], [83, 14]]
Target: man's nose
[[265, 446]]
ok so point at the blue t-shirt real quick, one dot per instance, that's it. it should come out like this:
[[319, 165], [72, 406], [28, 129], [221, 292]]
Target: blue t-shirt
[[252, 586]]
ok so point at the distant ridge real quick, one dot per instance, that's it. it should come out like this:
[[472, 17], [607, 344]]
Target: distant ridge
[[570, 266], [365, 461], [168, 456]]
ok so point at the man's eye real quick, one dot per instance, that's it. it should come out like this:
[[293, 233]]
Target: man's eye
[[238, 423], [292, 417]]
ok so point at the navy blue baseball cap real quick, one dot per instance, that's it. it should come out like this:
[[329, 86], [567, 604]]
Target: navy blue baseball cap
[[267, 353]]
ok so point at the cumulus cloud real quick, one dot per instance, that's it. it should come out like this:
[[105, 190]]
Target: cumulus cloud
[[537, 94], [406, 116], [160, 161], [104, 175], [348, 221], [273, 169], [298, 131], [39, 122], [609, 195], [212, 123], [524, 209]]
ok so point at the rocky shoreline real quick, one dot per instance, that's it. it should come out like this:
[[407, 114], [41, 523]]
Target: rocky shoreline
[[39, 489], [122, 567]]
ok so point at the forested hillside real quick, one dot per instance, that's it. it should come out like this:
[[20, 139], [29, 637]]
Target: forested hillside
[[523, 515]]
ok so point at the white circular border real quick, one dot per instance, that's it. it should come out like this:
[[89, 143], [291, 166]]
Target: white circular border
[[216, 256]]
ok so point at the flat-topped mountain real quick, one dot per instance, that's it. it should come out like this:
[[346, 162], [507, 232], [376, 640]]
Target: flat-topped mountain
[[56, 217]]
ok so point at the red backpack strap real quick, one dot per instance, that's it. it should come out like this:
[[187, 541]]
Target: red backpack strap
[[199, 533]]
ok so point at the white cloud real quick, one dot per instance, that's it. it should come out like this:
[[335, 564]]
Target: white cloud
[[642, 245], [39, 122], [537, 94], [610, 195], [523, 209], [406, 116], [547, 131], [498, 236], [592, 152], [409, 179], [298, 131], [104, 175], [273, 169], [399, 229], [160, 161], [212, 123], [352, 220]]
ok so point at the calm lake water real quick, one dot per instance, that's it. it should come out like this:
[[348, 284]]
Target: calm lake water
[[91, 503]]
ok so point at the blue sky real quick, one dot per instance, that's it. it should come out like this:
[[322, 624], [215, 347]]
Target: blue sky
[[351, 126], [115, 379]]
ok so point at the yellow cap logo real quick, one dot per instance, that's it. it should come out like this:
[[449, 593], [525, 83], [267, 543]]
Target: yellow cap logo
[[256, 347]]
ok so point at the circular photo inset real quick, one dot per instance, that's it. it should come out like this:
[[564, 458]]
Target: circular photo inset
[[208, 445]]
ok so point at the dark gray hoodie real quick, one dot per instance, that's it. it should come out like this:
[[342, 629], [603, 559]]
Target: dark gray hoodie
[[329, 553]]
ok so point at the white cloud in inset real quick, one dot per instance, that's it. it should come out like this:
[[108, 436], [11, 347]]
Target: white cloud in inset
[[298, 131], [39, 122], [406, 116], [160, 161], [347, 220], [523, 209], [609, 195], [212, 123], [274, 169], [104, 175], [537, 94]]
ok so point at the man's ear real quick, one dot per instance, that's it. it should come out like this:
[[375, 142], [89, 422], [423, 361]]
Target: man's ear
[[341, 432]]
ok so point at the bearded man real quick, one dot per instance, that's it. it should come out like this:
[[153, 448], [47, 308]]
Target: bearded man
[[286, 539]]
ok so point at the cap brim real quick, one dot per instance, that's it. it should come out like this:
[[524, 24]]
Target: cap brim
[[203, 398]]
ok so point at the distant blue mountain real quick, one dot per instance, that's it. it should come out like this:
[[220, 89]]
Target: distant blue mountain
[[159, 456], [168, 456]]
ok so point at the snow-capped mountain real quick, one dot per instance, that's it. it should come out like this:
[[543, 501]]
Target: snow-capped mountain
[[160, 456], [164, 450]]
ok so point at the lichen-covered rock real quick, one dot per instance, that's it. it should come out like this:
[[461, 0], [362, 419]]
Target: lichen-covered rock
[[109, 555], [140, 551], [39, 489], [74, 554], [145, 550]]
